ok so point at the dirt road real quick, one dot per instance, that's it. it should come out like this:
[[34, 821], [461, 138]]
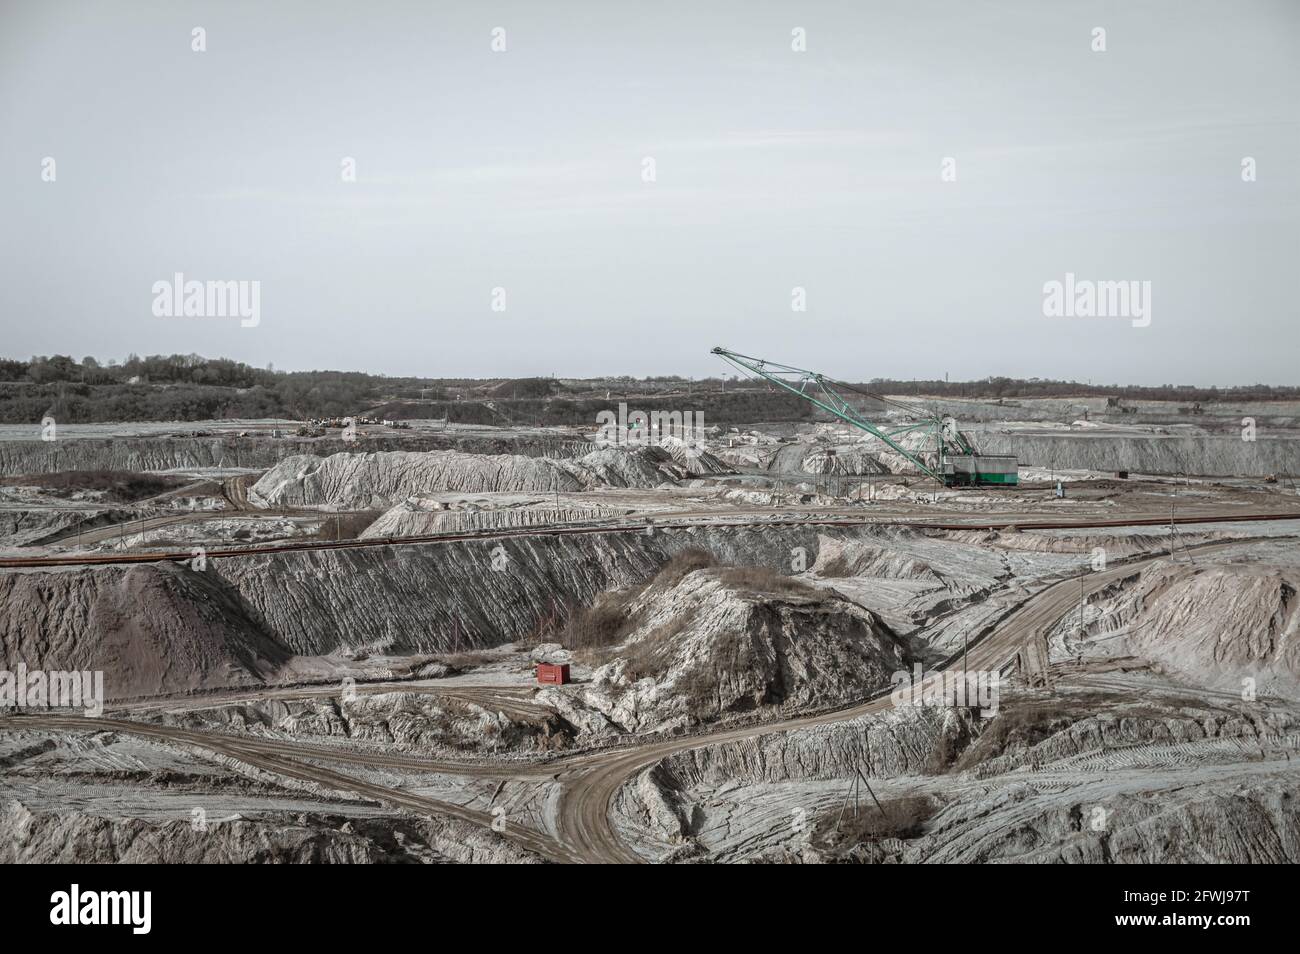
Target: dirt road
[[589, 781], [585, 822], [830, 518], [298, 761]]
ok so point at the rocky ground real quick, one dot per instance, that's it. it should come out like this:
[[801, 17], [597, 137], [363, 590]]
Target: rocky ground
[[379, 703], [1079, 773], [100, 798]]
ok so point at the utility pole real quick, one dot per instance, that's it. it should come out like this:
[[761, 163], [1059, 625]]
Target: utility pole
[[1083, 598]]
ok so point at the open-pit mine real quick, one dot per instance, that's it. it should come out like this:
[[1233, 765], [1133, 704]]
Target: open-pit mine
[[837, 636]]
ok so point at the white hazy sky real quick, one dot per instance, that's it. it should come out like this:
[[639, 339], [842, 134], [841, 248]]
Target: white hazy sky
[[775, 169]]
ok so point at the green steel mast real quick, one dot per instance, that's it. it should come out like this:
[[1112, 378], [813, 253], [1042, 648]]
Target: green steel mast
[[826, 395]]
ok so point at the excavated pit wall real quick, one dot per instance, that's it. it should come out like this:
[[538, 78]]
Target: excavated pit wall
[[397, 523], [21, 528], [316, 837], [358, 481], [238, 620], [445, 597], [1201, 455], [924, 740], [909, 740], [172, 453]]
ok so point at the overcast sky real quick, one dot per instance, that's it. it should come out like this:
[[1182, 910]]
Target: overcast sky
[[774, 169]]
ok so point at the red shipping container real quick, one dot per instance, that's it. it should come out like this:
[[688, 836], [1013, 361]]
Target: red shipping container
[[552, 674]]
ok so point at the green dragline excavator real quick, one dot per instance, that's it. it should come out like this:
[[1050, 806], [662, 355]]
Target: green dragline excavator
[[954, 461]]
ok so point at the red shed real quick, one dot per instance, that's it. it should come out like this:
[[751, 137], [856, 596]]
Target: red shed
[[553, 674]]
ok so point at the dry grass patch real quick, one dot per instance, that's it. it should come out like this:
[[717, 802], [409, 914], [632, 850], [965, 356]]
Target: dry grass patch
[[607, 622], [119, 486], [902, 818], [762, 579]]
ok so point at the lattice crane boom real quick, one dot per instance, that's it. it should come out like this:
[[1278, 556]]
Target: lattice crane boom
[[823, 392]]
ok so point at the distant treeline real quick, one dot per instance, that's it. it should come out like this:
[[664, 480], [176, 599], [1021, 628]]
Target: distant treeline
[[192, 388], [731, 407], [996, 388], [179, 388]]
